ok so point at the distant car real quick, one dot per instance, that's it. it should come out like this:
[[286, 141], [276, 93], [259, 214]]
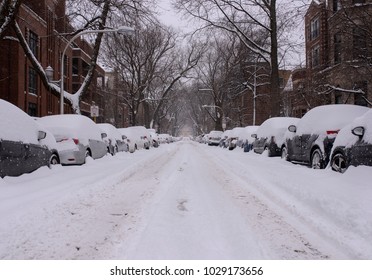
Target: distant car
[[214, 137], [137, 137], [77, 137], [224, 142], [154, 138], [24, 145], [311, 140], [353, 144], [114, 140], [164, 138], [270, 135]]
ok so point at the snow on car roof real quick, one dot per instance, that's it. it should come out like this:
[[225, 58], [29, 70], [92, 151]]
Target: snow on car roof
[[334, 117], [74, 126], [275, 126], [110, 130], [347, 139], [16, 125]]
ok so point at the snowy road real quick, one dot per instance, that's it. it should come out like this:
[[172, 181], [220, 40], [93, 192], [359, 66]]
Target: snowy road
[[186, 201]]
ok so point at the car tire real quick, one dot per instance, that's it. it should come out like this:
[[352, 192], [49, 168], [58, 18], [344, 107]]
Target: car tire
[[284, 154], [316, 159], [54, 160], [268, 151], [339, 162]]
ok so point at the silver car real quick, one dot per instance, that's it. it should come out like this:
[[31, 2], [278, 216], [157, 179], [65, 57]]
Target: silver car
[[77, 136]]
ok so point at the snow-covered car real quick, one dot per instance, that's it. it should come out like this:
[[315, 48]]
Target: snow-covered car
[[137, 137], [164, 138], [214, 137], [224, 142], [77, 137], [270, 135], [114, 140], [24, 145], [154, 138], [353, 144], [310, 141], [246, 137]]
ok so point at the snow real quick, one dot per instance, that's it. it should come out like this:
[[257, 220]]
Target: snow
[[12, 119], [112, 133], [72, 126], [328, 117], [186, 200]]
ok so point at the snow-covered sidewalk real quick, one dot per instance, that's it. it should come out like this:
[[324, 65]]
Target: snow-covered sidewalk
[[186, 201]]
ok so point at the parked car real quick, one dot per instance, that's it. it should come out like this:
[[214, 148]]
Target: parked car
[[137, 137], [77, 137], [270, 135], [164, 138], [311, 140], [24, 145], [224, 143], [353, 144], [114, 140], [246, 137], [214, 137], [154, 138]]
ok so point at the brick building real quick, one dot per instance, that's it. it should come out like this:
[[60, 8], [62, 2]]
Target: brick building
[[43, 22], [339, 52]]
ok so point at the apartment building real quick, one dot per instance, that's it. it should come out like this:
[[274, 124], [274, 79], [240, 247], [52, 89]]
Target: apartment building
[[339, 52], [44, 25]]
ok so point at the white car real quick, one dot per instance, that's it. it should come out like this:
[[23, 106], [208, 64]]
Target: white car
[[77, 137], [114, 140], [137, 137], [154, 138], [214, 137]]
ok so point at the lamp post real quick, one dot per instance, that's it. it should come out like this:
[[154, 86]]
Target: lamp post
[[120, 30]]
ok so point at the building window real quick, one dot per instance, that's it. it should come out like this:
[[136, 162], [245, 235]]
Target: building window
[[32, 81], [359, 1], [32, 109], [315, 56], [336, 5], [359, 43], [75, 66], [314, 28], [337, 48], [32, 42], [338, 98]]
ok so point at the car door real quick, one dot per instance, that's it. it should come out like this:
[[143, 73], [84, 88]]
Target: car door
[[294, 147]]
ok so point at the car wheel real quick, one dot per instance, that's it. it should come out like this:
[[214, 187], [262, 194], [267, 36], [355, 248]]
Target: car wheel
[[267, 151], [284, 153], [316, 160], [53, 159], [339, 163]]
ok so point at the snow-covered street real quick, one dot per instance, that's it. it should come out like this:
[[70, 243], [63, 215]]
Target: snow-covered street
[[187, 201]]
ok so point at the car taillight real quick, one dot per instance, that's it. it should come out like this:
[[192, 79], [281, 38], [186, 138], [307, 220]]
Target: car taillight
[[76, 141], [330, 132]]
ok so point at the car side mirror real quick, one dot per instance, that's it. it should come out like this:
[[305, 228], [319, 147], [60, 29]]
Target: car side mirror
[[292, 128], [103, 135], [254, 135], [123, 137], [358, 131], [41, 135]]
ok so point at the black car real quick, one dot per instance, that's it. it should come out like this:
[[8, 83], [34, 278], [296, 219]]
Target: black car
[[270, 135], [353, 145], [22, 148], [311, 140]]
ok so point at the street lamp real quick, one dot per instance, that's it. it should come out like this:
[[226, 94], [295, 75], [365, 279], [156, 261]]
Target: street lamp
[[120, 30]]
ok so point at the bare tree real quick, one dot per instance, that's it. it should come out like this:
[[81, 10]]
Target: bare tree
[[8, 12], [246, 19]]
